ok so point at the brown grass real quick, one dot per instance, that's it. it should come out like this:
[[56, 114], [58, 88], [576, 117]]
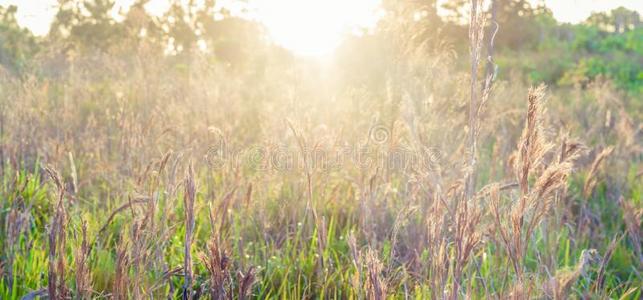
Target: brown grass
[[121, 276], [56, 284], [590, 180], [375, 286], [216, 262], [83, 276], [189, 198], [632, 217], [535, 200]]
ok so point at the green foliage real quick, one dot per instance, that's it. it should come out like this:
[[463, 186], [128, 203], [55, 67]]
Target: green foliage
[[17, 45], [615, 56], [591, 55]]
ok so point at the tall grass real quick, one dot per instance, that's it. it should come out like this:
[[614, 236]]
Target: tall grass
[[429, 186]]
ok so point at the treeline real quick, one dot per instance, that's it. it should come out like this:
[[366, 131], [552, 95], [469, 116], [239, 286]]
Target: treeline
[[529, 41]]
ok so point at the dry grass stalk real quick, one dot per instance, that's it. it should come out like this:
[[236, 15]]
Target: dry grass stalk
[[222, 211], [532, 147], [476, 37], [74, 174], [375, 286], [498, 222], [310, 205], [536, 200], [558, 287], [248, 196], [128, 205], [520, 291], [437, 245], [137, 256], [146, 233], [83, 278], [369, 192], [56, 284], [570, 150], [356, 256], [401, 220], [188, 202], [216, 262], [246, 281], [121, 277], [541, 197], [467, 235], [632, 217], [590, 181], [600, 278]]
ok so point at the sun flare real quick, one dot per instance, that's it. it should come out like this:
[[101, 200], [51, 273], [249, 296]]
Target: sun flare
[[314, 28]]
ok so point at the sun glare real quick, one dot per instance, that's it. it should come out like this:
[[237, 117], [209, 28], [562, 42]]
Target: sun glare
[[314, 28]]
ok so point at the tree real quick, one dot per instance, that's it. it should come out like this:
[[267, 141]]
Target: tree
[[17, 45], [87, 24], [619, 20], [141, 28], [180, 27], [456, 10], [518, 26]]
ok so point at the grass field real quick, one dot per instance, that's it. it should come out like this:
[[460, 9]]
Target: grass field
[[137, 174]]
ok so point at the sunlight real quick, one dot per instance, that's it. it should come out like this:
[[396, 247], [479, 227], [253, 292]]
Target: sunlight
[[314, 28], [321, 149]]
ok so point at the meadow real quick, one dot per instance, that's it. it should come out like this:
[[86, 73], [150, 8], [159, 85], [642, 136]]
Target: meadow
[[411, 165]]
